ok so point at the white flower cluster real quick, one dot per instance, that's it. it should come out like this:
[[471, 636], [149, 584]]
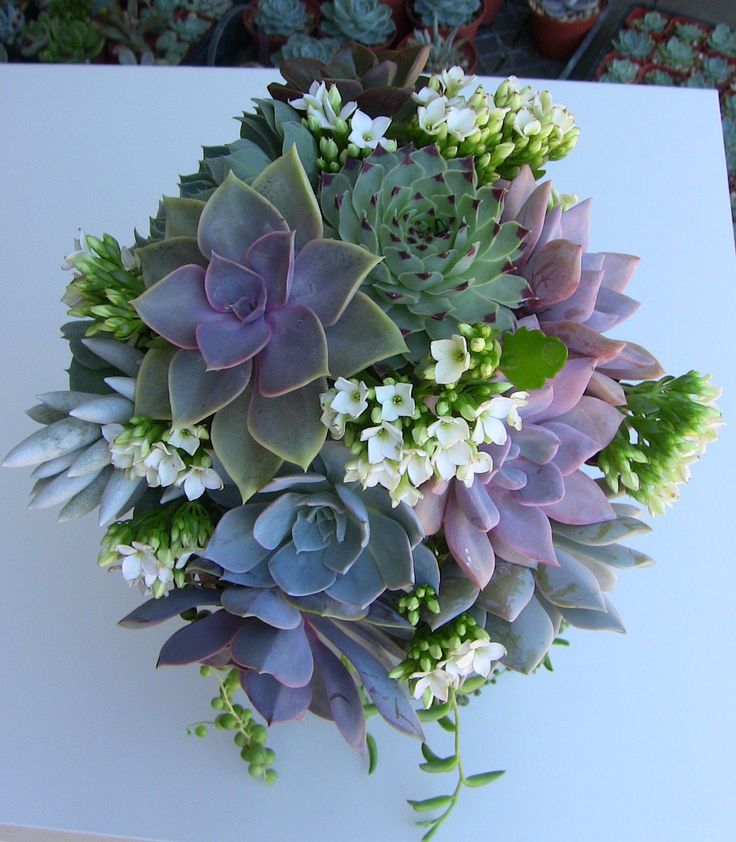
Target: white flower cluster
[[140, 566], [161, 462], [444, 105], [403, 456], [474, 657], [451, 102], [325, 107], [82, 251]]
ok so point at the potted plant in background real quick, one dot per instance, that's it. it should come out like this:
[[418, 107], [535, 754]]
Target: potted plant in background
[[367, 22], [463, 15], [271, 22], [299, 45], [12, 24], [559, 26], [444, 50]]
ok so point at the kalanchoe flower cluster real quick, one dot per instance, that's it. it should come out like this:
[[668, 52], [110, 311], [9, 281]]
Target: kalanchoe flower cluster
[[107, 277], [167, 457], [342, 130], [667, 425], [438, 661], [501, 131], [152, 550]]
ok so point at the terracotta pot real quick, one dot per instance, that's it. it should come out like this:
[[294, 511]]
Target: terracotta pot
[[467, 49], [401, 19], [558, 39], [634, 16], [467, 32], [268, 44], [491, 8], [677, 78]]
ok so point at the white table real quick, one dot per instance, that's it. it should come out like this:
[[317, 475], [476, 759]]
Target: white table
[[631, 739]]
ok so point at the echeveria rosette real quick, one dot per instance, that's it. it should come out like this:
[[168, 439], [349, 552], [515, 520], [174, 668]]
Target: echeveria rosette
[[71, 456], [312, 534], [446, 253], [270, 307], [290, 661], [536, 482], [576, 295]]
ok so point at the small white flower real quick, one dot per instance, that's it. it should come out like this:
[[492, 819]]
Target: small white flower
[[185, 438], [199, 478], [405, 492], [452, 358], [432, 117], [426, 95], [384, 442], [456, 84], [449, 431], [324, 105], [80, 251], [367, 133], [140, 566], [490, 417], [349, 398], [395, 401], [481, 463], [461, 122], [526, 123], [334, 421], [162, 465], [474, 657], [437, 682], [448, 460], [562, 118], [417, 465], [129, 259]]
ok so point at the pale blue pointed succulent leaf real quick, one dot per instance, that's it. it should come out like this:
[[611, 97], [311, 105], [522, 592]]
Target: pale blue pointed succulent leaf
[[571, 585], [63, 436], [59, 489], [265, 604], [426, 568], [510, 589], [456, 595], [124, 357], [527, 639], [86, 500], [602, 534], [91, 460], [283, 653], [106, 409], [300, 573], [52, 467], [120, 495], [607, 620], [325, 606], [232, 545], [615, 555], [124, 386], [275, 701], [276, 520]]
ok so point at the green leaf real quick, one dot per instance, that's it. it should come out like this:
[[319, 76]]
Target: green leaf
[[249, 465], [196, 392], [483, 778], [161, 258], [285, 185], [428, 804], [370, 741], [434, 713], [530, 358], [470, 685], [446, 723], [152, 384], [428, 753], [182, 217], [440, 765], [430, 833]]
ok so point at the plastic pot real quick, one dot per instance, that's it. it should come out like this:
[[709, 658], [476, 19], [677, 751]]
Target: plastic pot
[[558, 39]]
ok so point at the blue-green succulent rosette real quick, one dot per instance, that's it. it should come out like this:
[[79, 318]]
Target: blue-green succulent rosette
[[349, 412]]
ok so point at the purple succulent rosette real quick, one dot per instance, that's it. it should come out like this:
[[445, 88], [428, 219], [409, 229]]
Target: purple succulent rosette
[[436, 312]]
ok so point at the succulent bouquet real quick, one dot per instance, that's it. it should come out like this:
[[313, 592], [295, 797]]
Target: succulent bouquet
[[349, 412]]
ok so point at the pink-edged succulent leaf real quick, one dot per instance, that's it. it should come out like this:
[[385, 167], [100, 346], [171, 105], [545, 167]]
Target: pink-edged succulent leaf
[[527, 639], [178, 600], [175, 305], [199, 640], [583, 503], [517, 193], [523, 535], [430, 510], [531, 216], [272, 257], [580, 305], [363, 335], [248, 464], [603, 387], [296, 353], [633, 363], [618, 270], [232, 545], [575, 448], [289, 425], [227, 283], [275, 701], [580, 339], [567, 389], [554, 272], [575, 223], [285, 185], [196, 392], [327, 273], [469, 546], [538, 444], [544, 484], [476, 505], [611, 308], [234, 217], [226, 341], [594, 417], [266, 604], [607, 620]]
